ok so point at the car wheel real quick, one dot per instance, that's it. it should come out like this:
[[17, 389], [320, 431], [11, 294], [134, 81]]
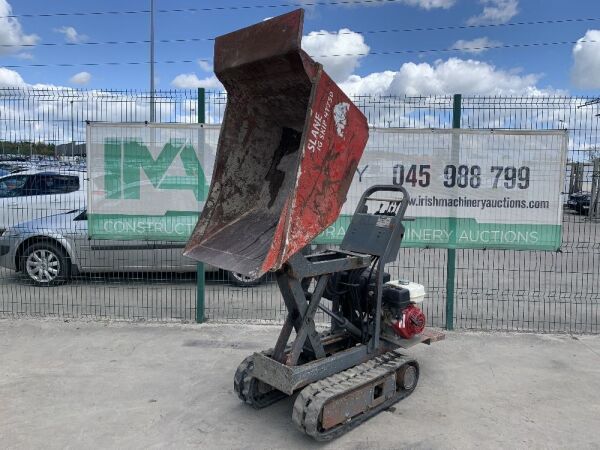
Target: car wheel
[[242, 280], [46, 264]]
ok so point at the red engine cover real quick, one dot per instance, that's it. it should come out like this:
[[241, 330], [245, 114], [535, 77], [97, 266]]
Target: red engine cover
[[411, 324]]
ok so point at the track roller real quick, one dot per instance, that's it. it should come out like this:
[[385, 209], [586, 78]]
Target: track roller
[[251, 390], [331, 407]]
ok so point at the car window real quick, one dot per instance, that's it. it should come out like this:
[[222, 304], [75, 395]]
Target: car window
[[47, 184], [12, 186]]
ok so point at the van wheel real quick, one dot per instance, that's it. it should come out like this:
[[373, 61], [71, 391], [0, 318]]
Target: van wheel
[[241, 280], [46, 264]]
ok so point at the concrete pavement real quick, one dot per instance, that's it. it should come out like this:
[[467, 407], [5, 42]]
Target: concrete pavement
[[83, 384]]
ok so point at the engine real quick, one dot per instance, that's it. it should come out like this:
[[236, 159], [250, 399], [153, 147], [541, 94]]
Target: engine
[[401, 315], [355, 292]]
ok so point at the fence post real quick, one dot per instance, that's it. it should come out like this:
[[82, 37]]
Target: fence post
[[200, 280], [451, 263]]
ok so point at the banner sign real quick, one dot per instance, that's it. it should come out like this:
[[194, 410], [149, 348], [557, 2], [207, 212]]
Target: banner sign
[[468, 188], [147, 181]]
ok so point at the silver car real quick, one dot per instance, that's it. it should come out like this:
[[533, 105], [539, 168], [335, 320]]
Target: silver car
[[53, 249]]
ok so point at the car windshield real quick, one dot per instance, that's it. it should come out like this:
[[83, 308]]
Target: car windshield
[[12, 186]]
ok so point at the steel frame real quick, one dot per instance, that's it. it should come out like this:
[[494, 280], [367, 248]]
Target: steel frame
[[283, 369], [301, 310]]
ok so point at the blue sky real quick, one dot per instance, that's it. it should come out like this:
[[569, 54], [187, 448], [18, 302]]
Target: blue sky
[[534, 70]]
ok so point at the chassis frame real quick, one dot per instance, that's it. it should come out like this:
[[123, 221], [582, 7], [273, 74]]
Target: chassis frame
[[337, 350]]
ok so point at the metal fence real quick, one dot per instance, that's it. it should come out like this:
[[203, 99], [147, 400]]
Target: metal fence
[[123, 280], [493, 289]]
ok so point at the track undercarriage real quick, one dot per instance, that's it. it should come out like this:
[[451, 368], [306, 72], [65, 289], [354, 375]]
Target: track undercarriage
[[334, 405]]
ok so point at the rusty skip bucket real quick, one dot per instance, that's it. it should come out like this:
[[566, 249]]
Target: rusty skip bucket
[[289, 146]]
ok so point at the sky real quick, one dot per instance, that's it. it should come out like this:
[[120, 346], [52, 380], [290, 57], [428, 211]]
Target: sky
[[412, 47]]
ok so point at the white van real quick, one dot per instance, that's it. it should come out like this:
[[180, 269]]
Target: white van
[[33, 194]]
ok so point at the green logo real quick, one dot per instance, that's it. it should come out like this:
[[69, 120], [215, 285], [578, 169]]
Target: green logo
[[124, 161]]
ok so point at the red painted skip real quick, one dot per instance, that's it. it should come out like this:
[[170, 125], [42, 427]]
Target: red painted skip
[[334, 139], [289, 146]]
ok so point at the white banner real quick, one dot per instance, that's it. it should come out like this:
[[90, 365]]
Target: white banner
[[147, 181], [468, 188]]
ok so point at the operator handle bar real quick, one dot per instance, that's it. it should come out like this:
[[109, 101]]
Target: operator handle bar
[[381, 199], [360, 208]]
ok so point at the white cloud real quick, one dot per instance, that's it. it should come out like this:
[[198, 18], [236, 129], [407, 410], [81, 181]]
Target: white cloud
[[80, 78], [431, 4], [350, 47], [475, 46], [24, 55], [72, 35], [585, 72], [190, 80], [205, 65], [495, 11], [460, 76], [10, 78], [129, 108], [11, 32], [451, 76], [374, 83]]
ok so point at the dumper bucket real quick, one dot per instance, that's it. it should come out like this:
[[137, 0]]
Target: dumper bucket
[[289, 145]]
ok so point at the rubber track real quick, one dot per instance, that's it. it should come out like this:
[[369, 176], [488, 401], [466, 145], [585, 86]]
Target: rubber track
[[246, 386], [309, 404]]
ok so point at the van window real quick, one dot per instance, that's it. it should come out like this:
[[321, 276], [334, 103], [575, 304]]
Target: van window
[[47, 184], [12, 186]]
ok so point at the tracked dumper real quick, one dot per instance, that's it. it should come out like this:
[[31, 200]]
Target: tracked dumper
[[289, 146]]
